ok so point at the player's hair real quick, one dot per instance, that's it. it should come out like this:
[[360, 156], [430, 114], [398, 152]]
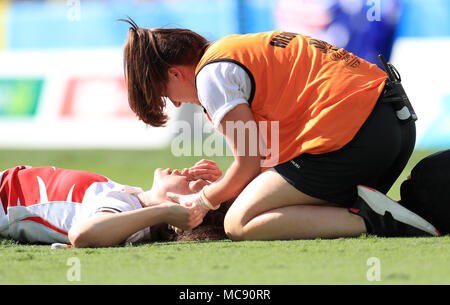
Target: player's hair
[[148, 55], [210, 229]]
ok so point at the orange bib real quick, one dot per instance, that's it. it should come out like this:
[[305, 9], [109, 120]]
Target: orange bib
[[320, 95]]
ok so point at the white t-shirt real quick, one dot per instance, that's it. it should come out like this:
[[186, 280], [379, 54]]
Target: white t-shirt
[[53, 200], [221, 86]]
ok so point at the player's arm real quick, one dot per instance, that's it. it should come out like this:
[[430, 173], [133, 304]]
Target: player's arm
[[110, 229]]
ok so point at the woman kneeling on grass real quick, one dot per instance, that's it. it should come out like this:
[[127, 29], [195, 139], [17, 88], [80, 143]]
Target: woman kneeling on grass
[[325, 115], [52, 205]]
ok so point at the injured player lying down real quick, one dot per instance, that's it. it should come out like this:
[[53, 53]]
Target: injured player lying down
[[84, 209]]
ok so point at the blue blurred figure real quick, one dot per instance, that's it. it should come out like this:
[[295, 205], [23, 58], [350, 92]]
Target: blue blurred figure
[[363, 27]]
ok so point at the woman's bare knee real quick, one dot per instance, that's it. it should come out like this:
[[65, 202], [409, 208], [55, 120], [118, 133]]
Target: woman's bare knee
[[267, 192], [232, 227]]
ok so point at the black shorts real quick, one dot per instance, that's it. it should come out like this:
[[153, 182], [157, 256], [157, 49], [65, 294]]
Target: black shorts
[[375, 157]]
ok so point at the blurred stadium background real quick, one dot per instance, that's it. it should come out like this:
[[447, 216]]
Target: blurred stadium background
[[61, 73]]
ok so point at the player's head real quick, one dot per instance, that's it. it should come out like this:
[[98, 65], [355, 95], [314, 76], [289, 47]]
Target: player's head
[[168, 180], [151, 57], [211, 228]]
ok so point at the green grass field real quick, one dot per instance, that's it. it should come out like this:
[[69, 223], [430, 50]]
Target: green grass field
[[340, 261]]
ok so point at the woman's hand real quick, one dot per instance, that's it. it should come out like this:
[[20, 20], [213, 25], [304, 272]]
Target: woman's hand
[[194, 201], [203, 169]]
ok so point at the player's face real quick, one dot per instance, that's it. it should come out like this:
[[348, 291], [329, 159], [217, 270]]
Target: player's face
[[167, 180]]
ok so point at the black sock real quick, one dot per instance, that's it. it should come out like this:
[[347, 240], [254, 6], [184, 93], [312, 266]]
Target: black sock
[[369, 229], [368, 226]]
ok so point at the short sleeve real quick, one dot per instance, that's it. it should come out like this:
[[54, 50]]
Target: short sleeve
[[118, 202], [116, 198], [221, 86]]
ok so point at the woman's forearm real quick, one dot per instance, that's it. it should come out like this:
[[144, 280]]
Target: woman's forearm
[[236, 129], [235, 179]]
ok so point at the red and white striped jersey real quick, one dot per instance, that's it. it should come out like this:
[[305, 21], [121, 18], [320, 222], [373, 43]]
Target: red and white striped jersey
[[41, 204]]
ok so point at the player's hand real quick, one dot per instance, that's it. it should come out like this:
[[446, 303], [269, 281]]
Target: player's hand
[[193, 200], [203, 169], [184, 217]]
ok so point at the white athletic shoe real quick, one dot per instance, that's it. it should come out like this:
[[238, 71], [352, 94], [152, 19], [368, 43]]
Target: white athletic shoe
[[387, 217]]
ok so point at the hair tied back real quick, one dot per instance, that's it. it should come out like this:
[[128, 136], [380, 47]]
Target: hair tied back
[[134, 27]]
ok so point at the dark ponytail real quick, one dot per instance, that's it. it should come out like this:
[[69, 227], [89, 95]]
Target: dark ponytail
[[148, 55]]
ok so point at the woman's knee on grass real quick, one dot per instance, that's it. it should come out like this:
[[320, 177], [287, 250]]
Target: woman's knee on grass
[[233, 226]]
